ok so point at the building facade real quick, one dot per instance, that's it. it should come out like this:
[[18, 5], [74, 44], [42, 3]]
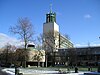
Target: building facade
[[32, 56], [86, 56], [52, 37], [53, 40]]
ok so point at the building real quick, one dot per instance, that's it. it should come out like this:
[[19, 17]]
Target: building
[[33, 56], [88, 56], [65, 42], [84, 56], [60, 50], [52, 37]]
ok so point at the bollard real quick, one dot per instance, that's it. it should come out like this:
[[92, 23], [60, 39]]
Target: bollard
[[88, 68], [76, 69], [99, 69]]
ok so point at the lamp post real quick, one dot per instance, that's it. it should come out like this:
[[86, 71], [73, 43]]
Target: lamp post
[[68, 60]]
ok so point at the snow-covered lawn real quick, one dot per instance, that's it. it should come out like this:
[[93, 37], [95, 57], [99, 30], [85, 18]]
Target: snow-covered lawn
[[10, 71], [26, 71]]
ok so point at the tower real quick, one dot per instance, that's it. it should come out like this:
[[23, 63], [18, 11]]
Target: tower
[[51, 32], [52, 38]]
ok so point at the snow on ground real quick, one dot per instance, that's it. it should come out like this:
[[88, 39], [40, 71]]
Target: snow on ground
[[11, 71]]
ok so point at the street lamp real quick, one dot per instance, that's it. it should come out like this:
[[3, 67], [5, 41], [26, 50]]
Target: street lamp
[[68, 60]]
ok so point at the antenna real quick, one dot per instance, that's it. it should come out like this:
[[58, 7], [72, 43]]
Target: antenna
[[88, 44], [50, 7]]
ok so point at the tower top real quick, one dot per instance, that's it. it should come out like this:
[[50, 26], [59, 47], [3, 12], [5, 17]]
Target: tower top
[[51, 16]]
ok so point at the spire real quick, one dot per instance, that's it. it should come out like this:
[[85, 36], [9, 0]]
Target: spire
[[50, 8]]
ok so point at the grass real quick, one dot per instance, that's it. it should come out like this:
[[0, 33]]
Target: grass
[[86, 69], [62, 68]]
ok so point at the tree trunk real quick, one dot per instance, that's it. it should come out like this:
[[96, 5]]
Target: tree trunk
[[38, 64], [46, 61], [24, 62]]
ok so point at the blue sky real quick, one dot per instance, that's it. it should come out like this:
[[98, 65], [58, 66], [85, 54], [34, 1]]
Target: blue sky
[[80, 19]]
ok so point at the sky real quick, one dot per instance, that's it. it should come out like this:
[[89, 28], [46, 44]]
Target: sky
[[79, 19]]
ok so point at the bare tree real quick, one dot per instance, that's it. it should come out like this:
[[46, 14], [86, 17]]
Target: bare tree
[[51, 42], [20, 57], [46, 42], [8, 51], [39, 42], [72, 57], [24, 29], [38, 57], [49, 45]]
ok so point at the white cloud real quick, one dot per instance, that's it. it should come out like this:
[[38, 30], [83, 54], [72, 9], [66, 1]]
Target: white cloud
[[4, 39], [87, 16], [86, 45], [80, 45], [92, 44]]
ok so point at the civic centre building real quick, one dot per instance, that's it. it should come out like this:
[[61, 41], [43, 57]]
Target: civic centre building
[[52, 34], [60, 51], [63, 51]]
